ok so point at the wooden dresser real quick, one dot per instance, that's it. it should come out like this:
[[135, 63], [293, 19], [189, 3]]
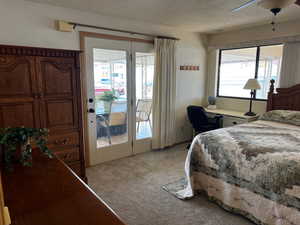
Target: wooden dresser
[[40, 88], [49, 193]]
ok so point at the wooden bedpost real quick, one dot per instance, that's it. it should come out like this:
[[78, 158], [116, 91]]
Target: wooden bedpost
[[272, 86], [270, 95]]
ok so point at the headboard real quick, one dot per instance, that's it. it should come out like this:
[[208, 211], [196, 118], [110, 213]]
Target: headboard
[[284, 98]]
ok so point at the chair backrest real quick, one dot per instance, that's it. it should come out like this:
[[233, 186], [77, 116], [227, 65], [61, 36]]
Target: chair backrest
[[197, 116], [118, 113], [144, 108]]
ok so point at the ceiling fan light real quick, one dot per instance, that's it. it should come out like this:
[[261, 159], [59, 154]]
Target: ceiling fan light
[[275, 11], [271, 4]]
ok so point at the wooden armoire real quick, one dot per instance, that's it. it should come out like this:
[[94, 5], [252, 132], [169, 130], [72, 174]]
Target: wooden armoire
[[40, 88]]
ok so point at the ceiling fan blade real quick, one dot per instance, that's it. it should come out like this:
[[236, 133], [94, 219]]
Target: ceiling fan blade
[[244, 5], [297, 2]]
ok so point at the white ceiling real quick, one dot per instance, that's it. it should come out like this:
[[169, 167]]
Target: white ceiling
[[193, 15]]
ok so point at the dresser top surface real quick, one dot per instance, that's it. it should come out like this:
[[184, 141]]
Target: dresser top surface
[[49, 193]]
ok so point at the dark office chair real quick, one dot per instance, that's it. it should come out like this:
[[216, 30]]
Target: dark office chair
[[200, 121]]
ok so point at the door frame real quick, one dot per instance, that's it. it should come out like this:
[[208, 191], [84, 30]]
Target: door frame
[[83, 79]]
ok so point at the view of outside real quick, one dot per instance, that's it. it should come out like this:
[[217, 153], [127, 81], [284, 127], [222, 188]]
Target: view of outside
[[110, 81], [269, 68], [109, 75], [144, 89], [238, 65]]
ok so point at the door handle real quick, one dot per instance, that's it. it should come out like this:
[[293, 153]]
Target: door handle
[[91, 110]]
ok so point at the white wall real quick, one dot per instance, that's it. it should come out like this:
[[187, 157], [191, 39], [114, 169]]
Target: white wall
[[288, 31], [190, 84], [32, 24]]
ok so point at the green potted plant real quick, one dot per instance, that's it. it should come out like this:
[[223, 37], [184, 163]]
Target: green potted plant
[[108, 97], [17, 144]]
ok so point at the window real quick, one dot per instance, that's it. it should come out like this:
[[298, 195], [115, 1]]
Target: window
[[238, 65]]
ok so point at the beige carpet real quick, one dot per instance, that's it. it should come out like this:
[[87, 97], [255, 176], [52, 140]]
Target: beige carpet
[[132, 187]]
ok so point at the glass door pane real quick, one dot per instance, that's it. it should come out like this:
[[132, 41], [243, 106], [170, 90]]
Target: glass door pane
[[269, 68], [144, 74], [110, 84]]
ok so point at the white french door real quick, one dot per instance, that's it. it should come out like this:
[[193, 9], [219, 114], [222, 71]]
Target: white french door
[[119, 90]]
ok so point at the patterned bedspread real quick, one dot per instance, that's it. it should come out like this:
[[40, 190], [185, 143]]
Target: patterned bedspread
[[251, 169]]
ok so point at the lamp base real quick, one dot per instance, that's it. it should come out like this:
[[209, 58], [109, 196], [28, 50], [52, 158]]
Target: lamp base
[[250, 114]]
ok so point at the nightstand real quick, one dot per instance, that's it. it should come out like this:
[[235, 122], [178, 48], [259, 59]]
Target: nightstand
[[231, 118]]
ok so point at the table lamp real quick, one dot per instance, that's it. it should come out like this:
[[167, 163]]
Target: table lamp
[[252, 84]]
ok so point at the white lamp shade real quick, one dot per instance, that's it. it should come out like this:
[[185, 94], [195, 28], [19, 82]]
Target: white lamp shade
[[252, 84]]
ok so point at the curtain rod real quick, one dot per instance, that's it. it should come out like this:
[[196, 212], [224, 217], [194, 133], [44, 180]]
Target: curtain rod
[[119, 30]]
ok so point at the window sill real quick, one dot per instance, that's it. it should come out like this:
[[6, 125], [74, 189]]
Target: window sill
[[241, 98]]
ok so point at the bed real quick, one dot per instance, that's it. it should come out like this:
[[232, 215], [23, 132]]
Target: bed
[[252, 169]]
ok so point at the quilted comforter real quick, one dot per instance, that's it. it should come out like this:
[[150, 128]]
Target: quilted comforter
[[251, 169]]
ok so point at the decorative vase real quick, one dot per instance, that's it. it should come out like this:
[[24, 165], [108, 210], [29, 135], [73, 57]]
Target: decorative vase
[[212, 100], [16, 157], [18, 154]]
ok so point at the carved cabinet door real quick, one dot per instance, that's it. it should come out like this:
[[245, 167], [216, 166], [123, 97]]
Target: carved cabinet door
[[19, 102], [57, 85]]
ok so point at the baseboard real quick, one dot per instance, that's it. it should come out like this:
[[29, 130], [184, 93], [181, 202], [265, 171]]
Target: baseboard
[[171, 146]]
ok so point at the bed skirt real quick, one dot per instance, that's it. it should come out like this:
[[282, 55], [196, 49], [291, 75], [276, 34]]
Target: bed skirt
[[241, 201]]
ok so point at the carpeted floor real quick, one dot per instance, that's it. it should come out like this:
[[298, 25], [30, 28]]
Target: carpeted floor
[[132, 187]]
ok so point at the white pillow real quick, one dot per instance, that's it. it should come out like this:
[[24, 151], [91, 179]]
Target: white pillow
[[282, 116]]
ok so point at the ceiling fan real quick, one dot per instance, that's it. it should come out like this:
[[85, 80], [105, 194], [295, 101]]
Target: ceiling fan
[[275, 6]]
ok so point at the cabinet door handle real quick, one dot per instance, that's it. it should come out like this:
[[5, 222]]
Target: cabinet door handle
[[61, 142], [38, 95]]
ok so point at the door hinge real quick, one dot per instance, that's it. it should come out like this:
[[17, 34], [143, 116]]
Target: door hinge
[[132, 144], [130, 56]]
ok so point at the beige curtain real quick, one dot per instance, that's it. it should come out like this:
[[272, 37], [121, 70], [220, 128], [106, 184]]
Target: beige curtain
[[290, 70], [164, 94]]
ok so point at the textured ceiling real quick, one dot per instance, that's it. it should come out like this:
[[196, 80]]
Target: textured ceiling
[[193, 15]]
